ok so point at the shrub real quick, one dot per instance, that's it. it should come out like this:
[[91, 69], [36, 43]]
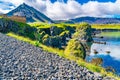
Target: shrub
[[55, 41], [75, 48], [37, 44], [55, 30], [46, 39], [29, 32], [71, 29], [40, 35], [63, 36]]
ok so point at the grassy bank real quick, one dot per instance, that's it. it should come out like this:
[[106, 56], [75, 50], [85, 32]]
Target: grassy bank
[[61, 53], [111, 34], [106, 26], [95, 26], [46, 25]]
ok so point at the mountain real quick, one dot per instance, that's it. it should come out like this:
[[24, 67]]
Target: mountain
[[1, 13], [95, 20], [30, 13]]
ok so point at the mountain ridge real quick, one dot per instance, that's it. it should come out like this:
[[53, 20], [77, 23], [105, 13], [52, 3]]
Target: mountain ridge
[[30, 13], [96, 20], [91, 20]]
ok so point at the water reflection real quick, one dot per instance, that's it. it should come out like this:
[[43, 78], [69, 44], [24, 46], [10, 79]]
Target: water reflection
[[101, 48], [109, 59]]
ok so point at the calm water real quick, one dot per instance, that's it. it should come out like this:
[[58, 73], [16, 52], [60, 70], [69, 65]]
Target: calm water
[[113, 45]]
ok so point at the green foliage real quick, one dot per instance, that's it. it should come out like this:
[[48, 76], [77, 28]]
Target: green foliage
[[37, 44], [40, 25], [55, 41], [82, 25], [46, 39], [63, 36], [83, 32], [70, 29], [106, 26], [29, 32], [7, 25], [55, 30], [75, 48], [40, 35]]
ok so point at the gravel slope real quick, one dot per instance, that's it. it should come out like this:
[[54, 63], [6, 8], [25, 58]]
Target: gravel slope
[[20, 61]]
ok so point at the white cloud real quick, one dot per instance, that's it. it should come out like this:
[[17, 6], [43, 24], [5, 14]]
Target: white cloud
[[114, 50], [15, 2], [72, 8], [3, 11]]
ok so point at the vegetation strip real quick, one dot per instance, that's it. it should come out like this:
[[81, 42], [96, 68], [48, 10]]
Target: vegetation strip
[[106, 26]]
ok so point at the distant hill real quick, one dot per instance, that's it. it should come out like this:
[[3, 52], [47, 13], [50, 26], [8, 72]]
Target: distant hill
[[30, 13], [1, 13], [95, 20]]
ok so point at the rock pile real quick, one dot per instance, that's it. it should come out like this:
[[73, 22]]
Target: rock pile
[[22, 61]]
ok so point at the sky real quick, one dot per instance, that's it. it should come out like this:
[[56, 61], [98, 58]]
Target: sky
[[67, 9]]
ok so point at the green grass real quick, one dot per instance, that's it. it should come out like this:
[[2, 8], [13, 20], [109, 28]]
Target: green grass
[[111, 34], [46, 25], [44, 47], [106, 26], [96, 26], [59, 52], [40, 25]]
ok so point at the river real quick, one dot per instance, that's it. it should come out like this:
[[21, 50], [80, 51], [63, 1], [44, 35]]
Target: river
[[109, 52]]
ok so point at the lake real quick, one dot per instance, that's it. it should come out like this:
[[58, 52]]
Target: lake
[[111, 59]]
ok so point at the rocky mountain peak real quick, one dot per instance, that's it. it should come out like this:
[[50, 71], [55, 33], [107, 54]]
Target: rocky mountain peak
[[30, 13]]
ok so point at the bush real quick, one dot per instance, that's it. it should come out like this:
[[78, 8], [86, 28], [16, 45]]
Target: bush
[[37, 44], [40, 35], [54, 31], [71, 29], [55, 41], [75, 48], [46, 39], [29, 32], [64, 35]]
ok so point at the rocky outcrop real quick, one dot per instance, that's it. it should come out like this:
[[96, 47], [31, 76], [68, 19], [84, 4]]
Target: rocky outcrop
[[75, 48], [7, 25], [83, 33]]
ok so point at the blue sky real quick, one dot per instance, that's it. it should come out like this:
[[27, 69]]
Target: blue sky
[[85, 1], [66, 9]]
